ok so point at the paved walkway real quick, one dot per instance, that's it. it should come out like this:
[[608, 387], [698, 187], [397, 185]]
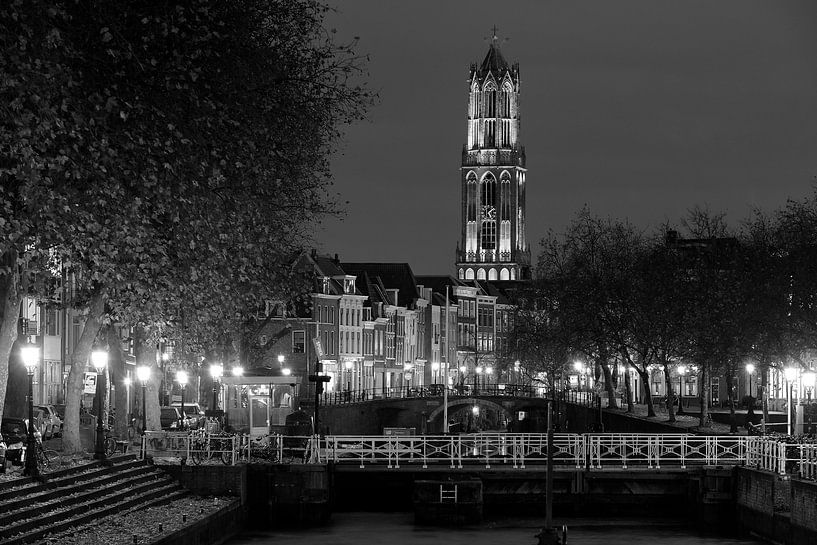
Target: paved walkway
[[689, 421]]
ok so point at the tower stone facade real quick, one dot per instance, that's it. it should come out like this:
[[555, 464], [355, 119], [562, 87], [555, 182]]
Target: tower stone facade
[[493, 244]]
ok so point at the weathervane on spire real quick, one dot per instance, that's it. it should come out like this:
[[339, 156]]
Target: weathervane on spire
[[494, 38]]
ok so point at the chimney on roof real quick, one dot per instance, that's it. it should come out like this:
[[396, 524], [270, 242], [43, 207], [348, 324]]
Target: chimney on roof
[[336, 260], [393, 295]]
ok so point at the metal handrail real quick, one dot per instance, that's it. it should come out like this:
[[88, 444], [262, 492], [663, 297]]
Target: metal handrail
[[508, 450]]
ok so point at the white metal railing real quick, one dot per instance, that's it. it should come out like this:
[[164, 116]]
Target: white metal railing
[[519, 450], [200, 446], [510, 450]]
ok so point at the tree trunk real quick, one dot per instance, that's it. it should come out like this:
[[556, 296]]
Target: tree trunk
[[670, 394], [612, 402], [703, 396], [116, 366], [645, 378], [71, 441], [628, 389], [10, 299]]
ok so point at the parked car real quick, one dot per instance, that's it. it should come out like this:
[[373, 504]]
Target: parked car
[[193, 415], [170, 418], [52, 423]]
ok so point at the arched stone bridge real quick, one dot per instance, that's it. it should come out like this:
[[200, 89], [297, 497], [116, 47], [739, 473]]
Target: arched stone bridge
[[425, 414]]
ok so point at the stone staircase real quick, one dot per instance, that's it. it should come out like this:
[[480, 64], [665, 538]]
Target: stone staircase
[[30, 510]]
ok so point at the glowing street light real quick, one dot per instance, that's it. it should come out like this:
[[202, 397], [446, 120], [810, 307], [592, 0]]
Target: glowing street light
[[30, 355], [216, 372], [143, 374], [790, 373], [682, 370]]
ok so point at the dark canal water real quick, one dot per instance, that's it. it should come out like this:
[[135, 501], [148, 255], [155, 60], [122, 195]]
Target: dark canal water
[[399, 529]]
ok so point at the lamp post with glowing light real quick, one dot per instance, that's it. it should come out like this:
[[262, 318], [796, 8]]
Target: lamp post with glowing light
[[750, 370], [181, 378], [462, 378], [681, 372], [216, 372], [127, 382], [30, 355], [143, 374], [99, 359], [516, 365], [489, 372], [791, 375], [477, 379]]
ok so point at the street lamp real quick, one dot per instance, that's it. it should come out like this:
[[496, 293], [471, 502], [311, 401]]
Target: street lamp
[[477, 378], [216, 371], [681, 372], [127, 382], [791, 375], [99, 359], [165, 388], [516, 366], [489, 371], [181, 378], [750, 370], [143, 374], [349, 364], [30, 355]]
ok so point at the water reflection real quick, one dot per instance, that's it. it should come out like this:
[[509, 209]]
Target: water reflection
[[399, 529]]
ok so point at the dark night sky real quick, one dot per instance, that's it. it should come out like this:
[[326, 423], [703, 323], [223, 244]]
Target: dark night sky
[[639, 109]]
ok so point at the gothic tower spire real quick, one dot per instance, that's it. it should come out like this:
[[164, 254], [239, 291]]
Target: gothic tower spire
[[493, 244]]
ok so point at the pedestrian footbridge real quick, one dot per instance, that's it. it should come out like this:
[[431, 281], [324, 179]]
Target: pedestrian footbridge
[[491, 451], [575, 451]]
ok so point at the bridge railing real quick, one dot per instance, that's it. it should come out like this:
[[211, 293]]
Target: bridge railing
[[433, 390], [520, 450]]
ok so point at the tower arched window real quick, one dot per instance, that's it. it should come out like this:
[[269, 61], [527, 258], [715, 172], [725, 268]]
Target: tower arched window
[[505, 196], [504, 274], [471, 205], [487, 235], [469, 274], [488, 190], [492, 274], [480, 274]]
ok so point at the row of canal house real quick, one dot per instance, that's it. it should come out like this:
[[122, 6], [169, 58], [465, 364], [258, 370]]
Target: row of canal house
[[377, 330]]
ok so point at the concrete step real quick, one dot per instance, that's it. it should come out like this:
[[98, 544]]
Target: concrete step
[[77, 495], [12, 510], [143, 500]]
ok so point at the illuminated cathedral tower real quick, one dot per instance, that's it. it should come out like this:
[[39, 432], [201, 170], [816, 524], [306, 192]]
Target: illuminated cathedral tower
[[493, 245]]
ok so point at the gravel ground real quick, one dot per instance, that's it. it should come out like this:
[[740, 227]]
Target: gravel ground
[[147, 525]]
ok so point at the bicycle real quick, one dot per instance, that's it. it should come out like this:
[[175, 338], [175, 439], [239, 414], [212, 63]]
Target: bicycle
[[109, 443], [46, 458], [204, 446]]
